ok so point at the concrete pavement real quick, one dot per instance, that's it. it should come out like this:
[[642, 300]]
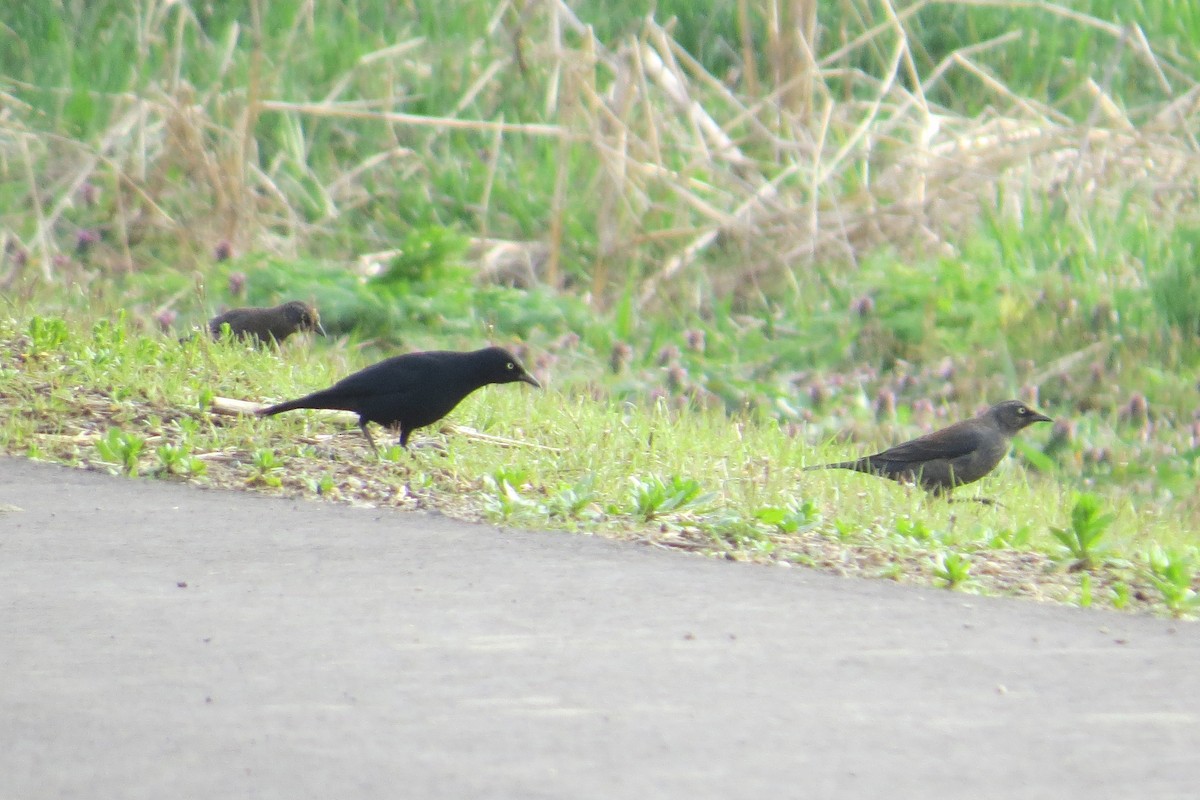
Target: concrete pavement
[[161, 640]]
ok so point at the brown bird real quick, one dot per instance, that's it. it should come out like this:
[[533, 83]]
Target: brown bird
[[960, 454], [412, 390], [267, 324]]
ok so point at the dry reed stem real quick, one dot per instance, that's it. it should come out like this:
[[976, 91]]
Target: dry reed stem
[[42, 234], [673, 83], [682, 158], [341, 111]]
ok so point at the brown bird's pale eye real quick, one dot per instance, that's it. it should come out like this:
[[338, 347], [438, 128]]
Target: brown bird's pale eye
[[511, 365], [1022, 411]]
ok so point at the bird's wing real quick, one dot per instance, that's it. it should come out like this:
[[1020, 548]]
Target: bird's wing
[[385, 377], [960, 439]]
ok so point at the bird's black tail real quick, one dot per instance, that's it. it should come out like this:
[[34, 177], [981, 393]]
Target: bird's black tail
[[323, 399]]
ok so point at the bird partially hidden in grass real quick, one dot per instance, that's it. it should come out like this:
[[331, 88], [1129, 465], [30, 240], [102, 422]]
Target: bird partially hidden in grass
[[412, 390], [960, 454], [264, 325]]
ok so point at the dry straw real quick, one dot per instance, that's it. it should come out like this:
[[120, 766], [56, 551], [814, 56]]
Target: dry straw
[[799, 161]]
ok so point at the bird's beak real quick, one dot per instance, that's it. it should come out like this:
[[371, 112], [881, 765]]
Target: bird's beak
[[532, 381], [319, 328], [1040, 417]]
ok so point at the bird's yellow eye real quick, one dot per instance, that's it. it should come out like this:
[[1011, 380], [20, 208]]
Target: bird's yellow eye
[[1022, 411], [511, 365]]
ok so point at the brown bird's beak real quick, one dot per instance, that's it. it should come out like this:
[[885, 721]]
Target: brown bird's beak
[[1040, 417], [319, 328], [532, 381]]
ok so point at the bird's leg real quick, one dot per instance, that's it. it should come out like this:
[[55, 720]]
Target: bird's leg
[[362, 426], [386, 453]]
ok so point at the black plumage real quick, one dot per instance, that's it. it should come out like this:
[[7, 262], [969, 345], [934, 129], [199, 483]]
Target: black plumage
[[412, 390], [959, 454]]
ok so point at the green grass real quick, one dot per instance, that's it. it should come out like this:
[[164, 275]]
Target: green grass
[[1007, 214], [147, 106], [697, 479]]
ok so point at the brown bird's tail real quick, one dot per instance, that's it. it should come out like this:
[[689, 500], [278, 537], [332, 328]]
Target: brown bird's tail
[[862, 465]]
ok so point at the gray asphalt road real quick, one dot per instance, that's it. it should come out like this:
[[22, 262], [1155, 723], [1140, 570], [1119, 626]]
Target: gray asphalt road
[[162, 641]]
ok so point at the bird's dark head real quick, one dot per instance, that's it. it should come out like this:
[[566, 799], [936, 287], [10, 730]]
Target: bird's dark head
[[1013, 415], [303, 316], [500, 366]]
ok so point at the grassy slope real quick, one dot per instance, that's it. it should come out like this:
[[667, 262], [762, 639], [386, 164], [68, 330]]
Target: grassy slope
[[1070, 276], [576, 463]]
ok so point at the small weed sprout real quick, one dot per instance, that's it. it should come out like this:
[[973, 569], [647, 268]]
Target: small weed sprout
[[109, 335], [846, 530], [914, 529], [266, 464], [797, 516], [513, 477], [506, 499], [171, 456], [732, 529], [572, 501], [177, 459], [46, 334], [121, 448], [1010, 538], [652, 497], [951, 569], [1172, 573], [1082, 539], [321, 486]]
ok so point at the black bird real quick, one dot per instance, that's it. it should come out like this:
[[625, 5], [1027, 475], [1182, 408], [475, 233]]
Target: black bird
[[412, 390], [267, 324], [962, 453]]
